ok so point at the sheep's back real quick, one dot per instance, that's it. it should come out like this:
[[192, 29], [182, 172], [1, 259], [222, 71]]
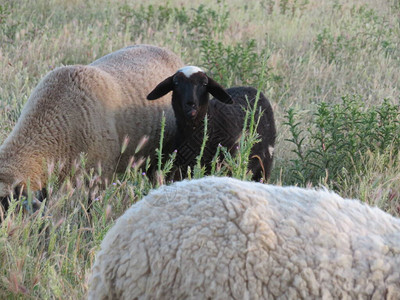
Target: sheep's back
[[225, 128], [262, 152], [90, 109], [62, 118], [137, 70], [220, 237], [229, 121]]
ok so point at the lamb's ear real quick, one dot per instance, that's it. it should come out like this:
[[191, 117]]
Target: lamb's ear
[[164, 87], [215, 89]]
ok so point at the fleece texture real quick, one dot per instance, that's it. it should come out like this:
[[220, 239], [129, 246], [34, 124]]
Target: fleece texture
[[224, 128], [221, 238], [92, 109]]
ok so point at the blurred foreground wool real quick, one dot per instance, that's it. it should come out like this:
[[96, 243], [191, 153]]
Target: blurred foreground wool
[[222, 238]]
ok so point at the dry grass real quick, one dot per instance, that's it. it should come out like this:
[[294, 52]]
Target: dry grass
[[317, 51]]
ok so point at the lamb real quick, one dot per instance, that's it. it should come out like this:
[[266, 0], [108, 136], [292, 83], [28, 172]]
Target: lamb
[[226, 115], [88, 109], [221, 238]]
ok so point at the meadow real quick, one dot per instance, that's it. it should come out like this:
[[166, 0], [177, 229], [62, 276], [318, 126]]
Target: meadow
[[331, 70]]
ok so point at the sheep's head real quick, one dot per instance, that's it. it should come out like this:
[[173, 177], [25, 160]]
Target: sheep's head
[[8, 188], [190, 88], [11, 188]]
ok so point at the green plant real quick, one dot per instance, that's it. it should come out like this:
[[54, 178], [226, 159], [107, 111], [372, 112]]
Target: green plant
[[234, 64], [163, 169], [338, 138], [237, 165], [8, 26], [208, 22], [285, 6], [367, 31], [315, 51], [197, 23]]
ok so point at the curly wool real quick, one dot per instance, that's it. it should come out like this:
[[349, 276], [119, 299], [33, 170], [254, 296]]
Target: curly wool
[[223, 238], [89, 109]]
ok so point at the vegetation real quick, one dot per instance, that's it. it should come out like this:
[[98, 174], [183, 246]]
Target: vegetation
[[329, 68]]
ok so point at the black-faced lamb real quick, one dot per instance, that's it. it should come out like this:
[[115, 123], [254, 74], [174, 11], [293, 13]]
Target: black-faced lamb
[[221, 238], [89, 109], [226, 113]]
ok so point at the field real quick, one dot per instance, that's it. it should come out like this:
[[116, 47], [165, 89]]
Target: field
[[331, 70]]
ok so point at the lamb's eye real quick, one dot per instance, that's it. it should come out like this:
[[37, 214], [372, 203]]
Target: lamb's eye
[[175, 83]]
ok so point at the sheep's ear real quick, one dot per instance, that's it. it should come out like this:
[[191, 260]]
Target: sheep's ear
[[161, 89], [215, 89]]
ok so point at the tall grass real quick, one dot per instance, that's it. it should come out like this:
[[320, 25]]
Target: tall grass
[[329, 68]]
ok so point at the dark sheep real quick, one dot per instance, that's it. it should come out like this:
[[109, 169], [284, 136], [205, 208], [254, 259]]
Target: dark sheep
[[226, 114]]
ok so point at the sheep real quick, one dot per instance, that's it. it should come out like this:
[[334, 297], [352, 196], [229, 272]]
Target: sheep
[[222, 238], [89, 109], [226, 115]]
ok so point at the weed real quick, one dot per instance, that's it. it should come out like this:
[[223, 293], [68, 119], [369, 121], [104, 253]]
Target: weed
[[367, 31], [315, 51], [234, 64], [339, 137], [197, 23]]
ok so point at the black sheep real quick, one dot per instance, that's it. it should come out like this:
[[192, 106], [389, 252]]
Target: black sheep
[[225, 114]]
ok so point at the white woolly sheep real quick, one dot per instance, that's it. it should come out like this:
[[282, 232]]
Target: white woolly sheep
[[89, 109], [221, 238], [226, 116]]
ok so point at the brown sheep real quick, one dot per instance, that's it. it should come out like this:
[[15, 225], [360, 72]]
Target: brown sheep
[[88, 109]]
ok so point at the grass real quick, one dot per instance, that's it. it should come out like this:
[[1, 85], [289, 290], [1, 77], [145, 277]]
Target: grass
[[329, 68]]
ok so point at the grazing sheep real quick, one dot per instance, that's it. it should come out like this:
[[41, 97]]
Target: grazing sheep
[[88, 109], [221, 238], [226, 116]]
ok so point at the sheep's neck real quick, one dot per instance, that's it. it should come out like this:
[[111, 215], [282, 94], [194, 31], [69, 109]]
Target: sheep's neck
[[187, 128]]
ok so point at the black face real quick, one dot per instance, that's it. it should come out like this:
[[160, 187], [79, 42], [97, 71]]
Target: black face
[[194, 85], [189, 94]]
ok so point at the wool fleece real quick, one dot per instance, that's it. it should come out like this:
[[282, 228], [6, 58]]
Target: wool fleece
[[222, 238]]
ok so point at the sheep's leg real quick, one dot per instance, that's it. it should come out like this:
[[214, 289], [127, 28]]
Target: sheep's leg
[[260, 166]]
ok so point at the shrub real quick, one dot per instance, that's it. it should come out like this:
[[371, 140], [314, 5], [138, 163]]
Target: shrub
[[238, 64], [338, 137]]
